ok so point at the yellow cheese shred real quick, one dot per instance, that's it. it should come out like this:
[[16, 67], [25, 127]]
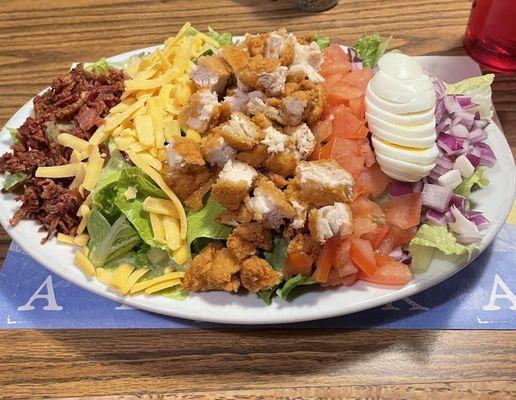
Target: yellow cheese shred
[[162, 286], [132, 279], [84, 263], [121, 275], [138, 287]]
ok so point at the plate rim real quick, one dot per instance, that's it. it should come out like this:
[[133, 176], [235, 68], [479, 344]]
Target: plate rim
[[139, 302]]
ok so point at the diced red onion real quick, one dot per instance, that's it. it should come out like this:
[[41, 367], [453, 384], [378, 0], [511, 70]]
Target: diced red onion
[[477, 135], [452, 145], [435, 217], [436, 197], [473, 159], [466, 230], [459, 131], [397, 188], [487, 156], [439, 87], [465, 118], [396, 253], [449, 216], [478, 219], [459, 202], [444, 162], [451, 104], [417, 186], [465, 102], [406, 260], [481, 124]]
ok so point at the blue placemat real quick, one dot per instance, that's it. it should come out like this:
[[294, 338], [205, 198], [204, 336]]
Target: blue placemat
[[482, 296]]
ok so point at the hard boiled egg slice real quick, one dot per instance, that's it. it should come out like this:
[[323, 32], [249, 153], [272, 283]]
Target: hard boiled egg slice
[[414, 106], [401, 91], [409, 119], [419, 143], [399, 176], [400, 66], [406, 169], [415, 131], [416, 156]]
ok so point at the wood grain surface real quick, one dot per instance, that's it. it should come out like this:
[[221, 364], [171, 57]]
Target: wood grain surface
[[39, 39]]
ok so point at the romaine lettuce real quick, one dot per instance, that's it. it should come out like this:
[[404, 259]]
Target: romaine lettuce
[[14, 134], [370, 49], [277, 256], [202, 225], [224, 38], [13, 181], [108, 242], [100, 67], [478, 178], [478, 88], [322, 42], [292, 283], [438, 237]]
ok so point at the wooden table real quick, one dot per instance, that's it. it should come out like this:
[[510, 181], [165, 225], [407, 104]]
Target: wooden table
[[39, 39]]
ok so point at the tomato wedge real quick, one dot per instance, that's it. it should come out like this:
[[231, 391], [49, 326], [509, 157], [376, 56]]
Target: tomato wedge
[[391, 273], [322, 130], [372, 182], [396, 237], [404, 211], [362, 225], [325, 260], [335, 54], [357, 107], [346, 125], [363, 207], [376, 237], [361, 253], [346, 152], [298, 263]]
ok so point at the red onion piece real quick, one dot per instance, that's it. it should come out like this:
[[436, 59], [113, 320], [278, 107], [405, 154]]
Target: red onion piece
[[436, 197]]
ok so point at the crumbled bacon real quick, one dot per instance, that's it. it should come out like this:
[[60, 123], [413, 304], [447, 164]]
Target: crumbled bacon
[[78, 99]]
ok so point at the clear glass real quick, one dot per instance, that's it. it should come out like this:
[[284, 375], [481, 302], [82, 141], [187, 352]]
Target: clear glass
[[491, 35]]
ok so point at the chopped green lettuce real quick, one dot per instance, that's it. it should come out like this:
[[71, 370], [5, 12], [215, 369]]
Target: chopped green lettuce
[[478, 88], [14, 134], [100, 67], [224, 38], [294, 282], [322, 42], [478, 178], [108, 242], [13, 181], [177, 293], [202, 225], [267, 295], [133, 208], [106, 188], [438, 237], [277, 256], [371, 48]]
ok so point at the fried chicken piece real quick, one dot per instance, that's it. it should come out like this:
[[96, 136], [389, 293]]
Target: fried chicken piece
[[280, 47], [279, 181], [247, 238], [323, 182], [199, 110], [216, 151], [238, 98], [236, 57], [254, 157], [257, 66], [262, 121], [255, 44], [303, 141], [273, 82], [299, 220], [304, 243], [269, 205], [257, 106], [188, 180], [240, 132], [257, 274], [275, 140], [214, 268], [235, 218], [195, 200], [294, 106], [283, 163], [233, 184], [183, 151], [330, 221], [306, 62], [211, 73]]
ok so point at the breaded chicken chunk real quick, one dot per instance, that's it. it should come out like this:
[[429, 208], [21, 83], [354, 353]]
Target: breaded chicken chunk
[[273, 82], [233, 184], [247, 238], [330, 221], [236, 57], [323, 182], [184, 151], [299, 220], [211, 73], [306, 62], [304, 244], [279, 181], [216, 151], [214, 268], [198, 112], [190, 183], [280, 47], [237, 100], [237, 217], [275, 140], [269, 205], [195, 200], [240, 132], [303, 141], [257, 106], [283, 163], [254, 157], [257, 274]]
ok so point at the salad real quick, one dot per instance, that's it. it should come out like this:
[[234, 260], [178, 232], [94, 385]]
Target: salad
[[265, 164]]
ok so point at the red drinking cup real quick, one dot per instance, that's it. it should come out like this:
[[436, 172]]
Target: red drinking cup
[[491, 35]]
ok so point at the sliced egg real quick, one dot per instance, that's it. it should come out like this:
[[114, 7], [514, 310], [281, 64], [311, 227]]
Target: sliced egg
[[399, 65], [407, 170], [419, 143], [409, 119], [416, 131], [414, 106], [400, 91], [417, 156], [399, 176]]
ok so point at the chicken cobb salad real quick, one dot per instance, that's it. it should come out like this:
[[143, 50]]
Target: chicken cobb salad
[[266, 164]]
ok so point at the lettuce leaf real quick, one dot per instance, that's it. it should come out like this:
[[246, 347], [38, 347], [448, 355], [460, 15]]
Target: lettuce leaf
[[267, 295], [294, 282], [133, 208], [100, 67], [106, 187], [438, 237], [14, 133], [322, 42], [202, 225], [108, 242], [13, 181], [371, 48], [224, 38], [277, 256], [478, 88], [478, 178]]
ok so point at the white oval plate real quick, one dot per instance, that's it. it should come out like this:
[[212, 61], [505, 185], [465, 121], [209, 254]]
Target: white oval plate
[[496, 202]]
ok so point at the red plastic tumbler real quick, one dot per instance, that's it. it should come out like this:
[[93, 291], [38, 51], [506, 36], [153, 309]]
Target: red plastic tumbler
[[491, 35]]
